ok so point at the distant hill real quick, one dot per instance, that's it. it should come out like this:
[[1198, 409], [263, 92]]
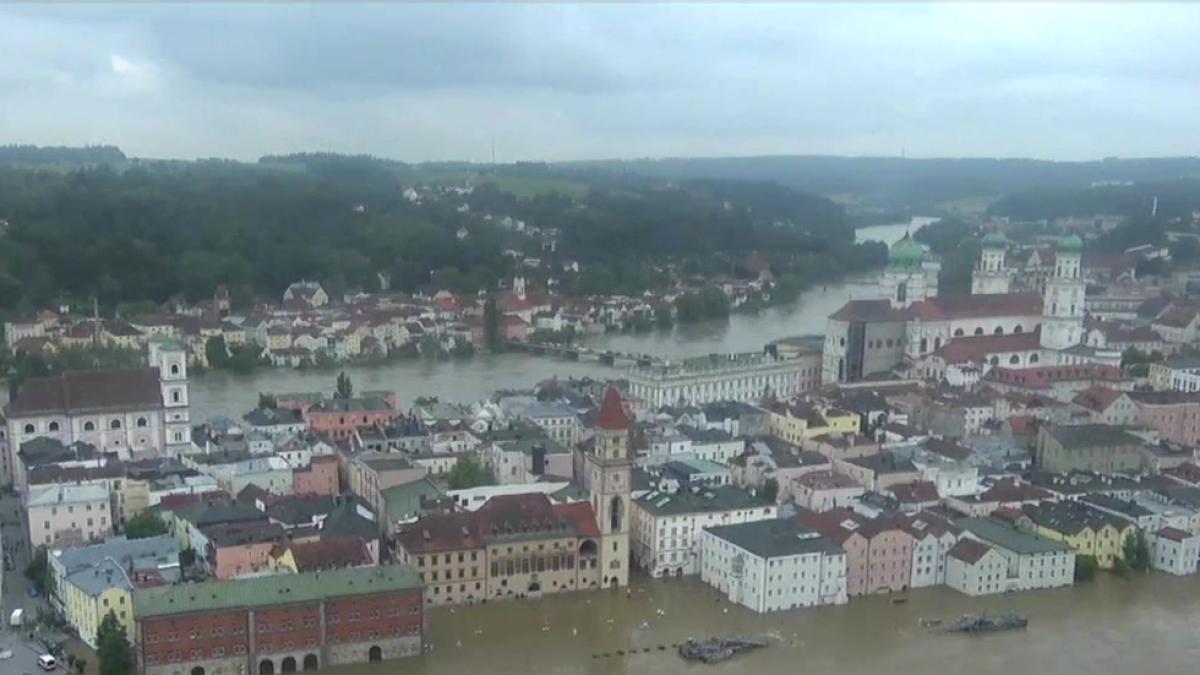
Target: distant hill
[[32, 155], [893, 182]]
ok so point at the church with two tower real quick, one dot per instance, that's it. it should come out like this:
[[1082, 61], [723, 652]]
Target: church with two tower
[[913, 328]]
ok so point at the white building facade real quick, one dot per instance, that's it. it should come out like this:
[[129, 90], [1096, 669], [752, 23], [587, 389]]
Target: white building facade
[[773, 565], [667, 526], [724, 377]]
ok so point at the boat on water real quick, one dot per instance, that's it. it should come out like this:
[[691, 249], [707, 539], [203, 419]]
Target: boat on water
[[927, 623], [715, 650], [987, 623]]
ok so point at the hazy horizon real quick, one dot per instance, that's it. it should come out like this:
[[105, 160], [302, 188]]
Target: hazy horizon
[[556, 82]]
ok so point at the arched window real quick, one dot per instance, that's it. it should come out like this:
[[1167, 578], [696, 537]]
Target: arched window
[[29, 429], [999, 330], [53, 426], [141, 422], [1033, 358], [891, 342], [89, 426], [979, 331], [614, 514], [995, 361], [174, 368], [842, 342], [1014, 359], [115, 424], [924, 345], [937, 343], [1018, 329], [958, 332]]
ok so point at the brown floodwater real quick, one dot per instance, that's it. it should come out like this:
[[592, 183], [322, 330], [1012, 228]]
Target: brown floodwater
[[1112, 626]]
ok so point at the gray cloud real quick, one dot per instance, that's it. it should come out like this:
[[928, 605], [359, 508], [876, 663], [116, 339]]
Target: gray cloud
[[556, 81]]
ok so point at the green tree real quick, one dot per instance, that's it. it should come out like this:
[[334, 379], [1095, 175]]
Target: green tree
[[217, 352], [1137, 551], [38, 572], [112, 646], [145, 524], [469, 472], [345, 388], [1085, 568], [491, 324], [770, 489]]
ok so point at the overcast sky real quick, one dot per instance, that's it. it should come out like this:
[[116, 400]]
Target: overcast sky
[[555, 81]]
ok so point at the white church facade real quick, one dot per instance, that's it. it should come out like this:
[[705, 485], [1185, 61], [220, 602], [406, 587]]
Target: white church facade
[[912, 326]]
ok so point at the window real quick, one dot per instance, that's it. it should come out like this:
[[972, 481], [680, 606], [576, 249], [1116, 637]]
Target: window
[[175, 396], [53, 426], [115, 424], [89, 426], [29, 429], [141, 422]]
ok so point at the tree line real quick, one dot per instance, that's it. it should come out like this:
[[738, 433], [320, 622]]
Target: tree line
[[137, 235]]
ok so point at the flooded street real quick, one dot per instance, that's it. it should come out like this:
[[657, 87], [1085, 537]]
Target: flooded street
[[1108, 627]]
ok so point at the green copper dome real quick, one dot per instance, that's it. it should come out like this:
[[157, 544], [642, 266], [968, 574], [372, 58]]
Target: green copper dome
[[995, 240], [1071, 244], [906, 253]]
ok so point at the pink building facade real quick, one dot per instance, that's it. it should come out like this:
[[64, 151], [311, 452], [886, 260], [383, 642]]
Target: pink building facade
[[320, 478]]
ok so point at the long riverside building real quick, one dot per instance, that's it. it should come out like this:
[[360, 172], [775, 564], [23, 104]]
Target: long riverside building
[[279, 624], [724, 377]]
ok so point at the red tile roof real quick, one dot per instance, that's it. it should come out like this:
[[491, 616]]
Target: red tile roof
[[972, 306], [1043, 377], [1096, 398], [968, 550], [964, 349], [525, 515], [327, 554], [612, 412], [84, 390], [869, 310], [916, 492], [1174, 534]]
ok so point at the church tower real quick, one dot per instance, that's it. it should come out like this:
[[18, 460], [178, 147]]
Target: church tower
[[991, 276], [909, 276], [608, 467], [170, 358], [1062, 301]]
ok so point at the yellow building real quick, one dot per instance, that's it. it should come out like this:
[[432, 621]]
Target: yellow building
[[91, 581], [797, 421], [1088, 531]]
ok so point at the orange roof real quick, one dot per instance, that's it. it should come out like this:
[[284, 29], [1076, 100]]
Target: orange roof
[[1096, 398], [612, 413], [970, 306]]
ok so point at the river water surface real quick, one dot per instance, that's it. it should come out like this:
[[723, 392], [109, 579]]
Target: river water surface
[[1111, 626], [219, 393]]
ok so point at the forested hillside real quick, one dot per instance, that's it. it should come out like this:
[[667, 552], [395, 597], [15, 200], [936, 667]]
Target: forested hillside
[[143, 232], [911, 184]]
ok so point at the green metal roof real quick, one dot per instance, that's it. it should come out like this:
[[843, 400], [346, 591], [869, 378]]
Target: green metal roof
[[995, 240], [404, 501], [1071, 244], [906, 253], [280, 589]]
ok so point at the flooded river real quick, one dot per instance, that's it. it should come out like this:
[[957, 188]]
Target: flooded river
[[1111, 626], [465, 381], [225, 394]]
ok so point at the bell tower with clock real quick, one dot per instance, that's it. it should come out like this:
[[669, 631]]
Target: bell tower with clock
[[608, 467]]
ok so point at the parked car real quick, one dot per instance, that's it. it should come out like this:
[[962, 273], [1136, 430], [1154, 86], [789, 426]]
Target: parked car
[[47, 662]]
